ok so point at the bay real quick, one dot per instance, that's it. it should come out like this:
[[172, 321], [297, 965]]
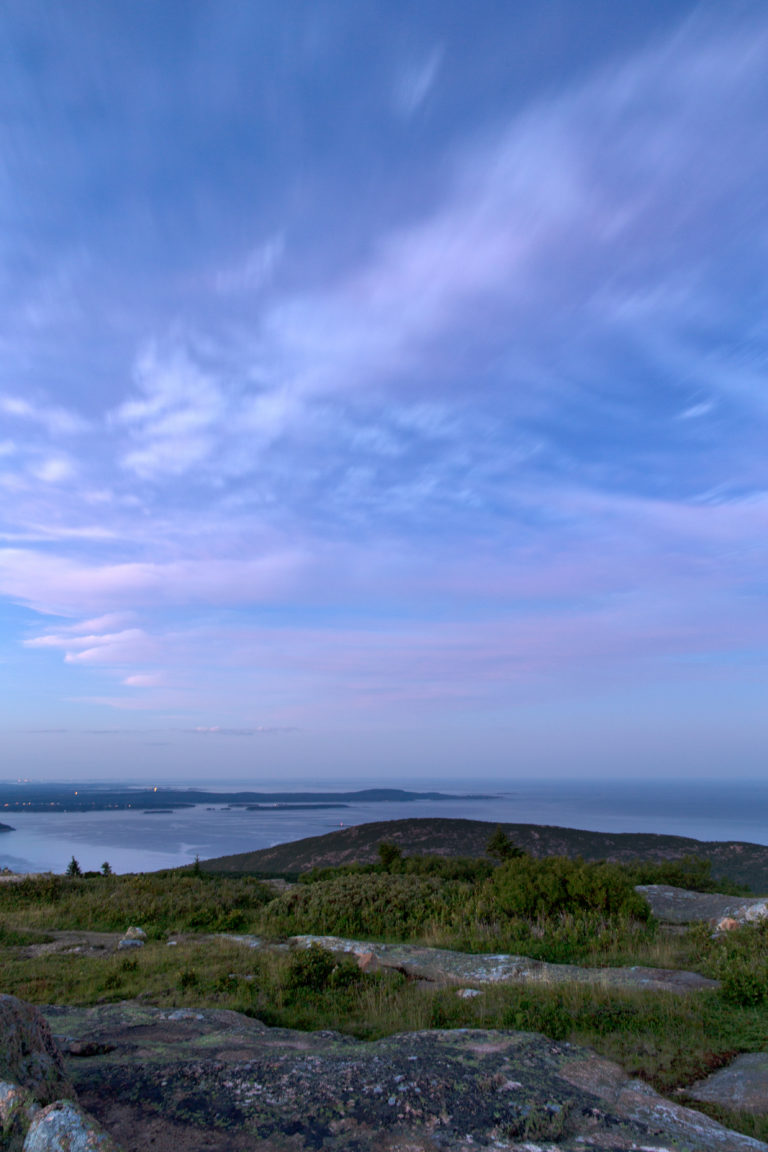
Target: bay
[[137, 841]]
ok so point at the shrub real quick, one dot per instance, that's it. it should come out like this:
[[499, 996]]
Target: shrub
[[390, 856], [691, 872], [531, 888], [391, 906], [310, 969], [739, 959]]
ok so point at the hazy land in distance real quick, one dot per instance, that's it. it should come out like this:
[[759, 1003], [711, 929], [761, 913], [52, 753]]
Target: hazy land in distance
[[25, 797]]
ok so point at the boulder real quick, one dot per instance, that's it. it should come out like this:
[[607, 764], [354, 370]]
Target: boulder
[[679, 906], [17, 1107], [28, 1053], [743, 1085], [134, 933], [63, 1127], [217, 1080]]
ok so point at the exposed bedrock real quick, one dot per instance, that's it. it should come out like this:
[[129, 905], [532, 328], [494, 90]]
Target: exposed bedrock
[[184, 1080], [446, 967], [679, 906]]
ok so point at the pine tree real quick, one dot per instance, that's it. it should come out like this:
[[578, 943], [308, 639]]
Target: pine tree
[[500, 846]]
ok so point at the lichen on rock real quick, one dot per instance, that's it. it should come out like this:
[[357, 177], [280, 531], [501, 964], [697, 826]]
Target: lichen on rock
[[29, 1056], [64, 1127]]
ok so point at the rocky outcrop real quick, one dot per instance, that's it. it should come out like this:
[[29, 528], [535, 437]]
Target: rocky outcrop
[[29, 1057], [183, 1081], [679, 906], [445, 967], [743, 1085], [37, 1109]]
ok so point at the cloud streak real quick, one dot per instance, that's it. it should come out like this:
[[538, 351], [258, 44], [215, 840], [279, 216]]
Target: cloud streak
[[492, 422]]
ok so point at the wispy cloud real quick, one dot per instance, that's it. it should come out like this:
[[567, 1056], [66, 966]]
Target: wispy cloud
[[495, 425], [57, 421], [175, 417], [254, 271], [416, 82]]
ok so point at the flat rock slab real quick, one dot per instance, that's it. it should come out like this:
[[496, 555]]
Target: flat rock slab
[[79, 943], [679, 906], [188, 1081], [743, 1085], [441, 965]]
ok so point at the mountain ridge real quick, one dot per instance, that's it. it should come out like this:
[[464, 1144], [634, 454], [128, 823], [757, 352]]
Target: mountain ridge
[[740, 861]]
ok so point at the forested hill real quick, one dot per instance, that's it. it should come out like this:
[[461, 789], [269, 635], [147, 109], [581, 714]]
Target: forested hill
[[742, 862]]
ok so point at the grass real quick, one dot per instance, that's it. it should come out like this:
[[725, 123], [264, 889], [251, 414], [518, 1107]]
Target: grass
[[669, 1040], [561, 911], [159, 902]]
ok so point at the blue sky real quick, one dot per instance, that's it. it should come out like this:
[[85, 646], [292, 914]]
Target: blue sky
[[383, 389]]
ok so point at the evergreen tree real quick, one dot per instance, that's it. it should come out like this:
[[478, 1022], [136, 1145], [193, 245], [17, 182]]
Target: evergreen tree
[[500, 846], [390, 855]]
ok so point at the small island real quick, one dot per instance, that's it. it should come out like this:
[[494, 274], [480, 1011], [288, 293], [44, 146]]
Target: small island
[[6, 828]]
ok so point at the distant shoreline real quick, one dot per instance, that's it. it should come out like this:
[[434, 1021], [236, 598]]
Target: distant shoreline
[[97, 798]]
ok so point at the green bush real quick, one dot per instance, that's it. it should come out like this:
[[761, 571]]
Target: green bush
[[441, 867], [691, 872], [383, 905], [524, 887], [311, 968], [739, 959]]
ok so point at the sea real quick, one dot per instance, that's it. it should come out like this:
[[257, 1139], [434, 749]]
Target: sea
[[137, 841]]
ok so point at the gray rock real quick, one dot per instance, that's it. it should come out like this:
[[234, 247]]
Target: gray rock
[[29, 1056], [17, 1107], [679, 906], [443, 966], [743, 1085], [228, 1083], [63, 1127], [134, 934], [125, 945]]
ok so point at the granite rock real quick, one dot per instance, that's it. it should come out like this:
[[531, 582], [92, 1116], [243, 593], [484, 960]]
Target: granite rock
[[223, 1082], [17, 1107], [63, 1127], [679, 906], [447, 967], [29, 1056], [743, 1085]]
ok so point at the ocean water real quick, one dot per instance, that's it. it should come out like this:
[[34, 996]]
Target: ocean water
[[135, 841]]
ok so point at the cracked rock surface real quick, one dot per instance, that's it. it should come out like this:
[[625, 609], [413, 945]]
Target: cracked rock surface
[[179, 1081]]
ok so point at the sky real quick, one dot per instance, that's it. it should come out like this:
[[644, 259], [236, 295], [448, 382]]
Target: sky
[[383, 389]]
